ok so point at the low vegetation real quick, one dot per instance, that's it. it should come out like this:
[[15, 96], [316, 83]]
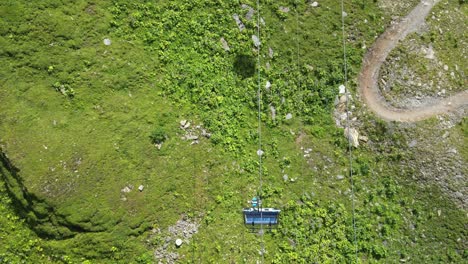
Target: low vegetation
[[427, 63], [80, 116]]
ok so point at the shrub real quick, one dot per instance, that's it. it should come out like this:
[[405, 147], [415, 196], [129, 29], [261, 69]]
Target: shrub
[[158, 136]]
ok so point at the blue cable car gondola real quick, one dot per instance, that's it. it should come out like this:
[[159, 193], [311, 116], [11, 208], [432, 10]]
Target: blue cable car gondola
[[259, 217]]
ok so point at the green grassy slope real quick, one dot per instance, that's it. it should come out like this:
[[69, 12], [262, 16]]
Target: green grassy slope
[[76, 116]]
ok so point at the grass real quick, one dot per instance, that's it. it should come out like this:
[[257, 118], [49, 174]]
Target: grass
[[166, 64]]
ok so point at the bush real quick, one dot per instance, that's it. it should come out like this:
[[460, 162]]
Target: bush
[[158, 136]]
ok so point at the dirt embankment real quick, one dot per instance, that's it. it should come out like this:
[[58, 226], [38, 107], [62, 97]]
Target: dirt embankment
[[368, 78]]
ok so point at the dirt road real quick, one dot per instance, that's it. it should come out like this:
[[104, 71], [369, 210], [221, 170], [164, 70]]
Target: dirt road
[[368, 78]]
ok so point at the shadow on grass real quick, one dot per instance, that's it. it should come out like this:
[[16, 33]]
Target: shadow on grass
[[244, 66]]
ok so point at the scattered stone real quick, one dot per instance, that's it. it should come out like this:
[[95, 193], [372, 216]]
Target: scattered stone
[[158, 146], [285, 177], [446, 67], [446, 134], [273, 112], [268, 85], [239, 23], [225, 44], [205, 134], [343, 99], [343, 116], [183, 230], [452, 150], [178, 242], [289, 116], [339, 177], [439, 212], [260, 152], [413, 143], [184, 124], [191, 137], [126, 189], [284, 9], [363, 138], [314, 4], [256, 41], [107, 42], [352, 135], [344, 14], [429, 53], [270, 52], [250, 13], [194, 142], [342, 89], [141, 187]]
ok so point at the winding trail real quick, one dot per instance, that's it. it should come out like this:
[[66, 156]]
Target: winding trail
[[368, 78]]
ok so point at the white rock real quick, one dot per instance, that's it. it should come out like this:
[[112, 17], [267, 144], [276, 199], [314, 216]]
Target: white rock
[[250, 13], [344, 14], [268, 85], [225, 44], [260, 152], [178, 242], [429, 53], [363, 138], [446, 67], [191, 137], [343, 99], [141, 187], [342, 89], [107, 42], [256, 41], [284, 9], [126, 189], [343, 116], [352, 135], [314, 4], [452, 150], [446, 134], [273, 112], [339, 177], [238, 22], [289, 116], [285, 177]]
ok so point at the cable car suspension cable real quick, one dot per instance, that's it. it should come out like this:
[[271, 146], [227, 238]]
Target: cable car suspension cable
[[350, 150]]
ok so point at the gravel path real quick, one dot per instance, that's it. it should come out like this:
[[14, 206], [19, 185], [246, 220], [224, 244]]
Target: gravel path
[[368, 78]]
